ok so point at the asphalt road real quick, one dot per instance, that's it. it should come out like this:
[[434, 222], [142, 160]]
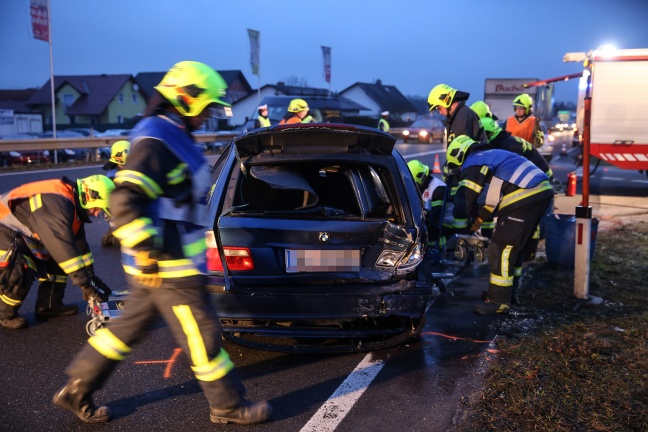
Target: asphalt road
[[417, 386]]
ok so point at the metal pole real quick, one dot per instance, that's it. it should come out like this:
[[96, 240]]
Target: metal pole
[[49, 25], [583, 227]]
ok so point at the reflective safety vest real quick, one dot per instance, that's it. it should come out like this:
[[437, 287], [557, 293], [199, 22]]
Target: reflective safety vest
[[383, 125], [308, 119], [524, 129], [263, 121], [33, 191]]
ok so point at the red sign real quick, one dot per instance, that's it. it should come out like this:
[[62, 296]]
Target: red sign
[[40, 19]]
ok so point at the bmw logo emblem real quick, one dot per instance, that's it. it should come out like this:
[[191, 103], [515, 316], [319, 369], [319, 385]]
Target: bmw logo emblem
[[324, 237]]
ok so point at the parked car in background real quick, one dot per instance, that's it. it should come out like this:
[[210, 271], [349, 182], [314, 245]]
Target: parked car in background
[[84, 131], [115, 132], [66, 155], [424, 131], [321, 231], [23, 157], [547, 148]]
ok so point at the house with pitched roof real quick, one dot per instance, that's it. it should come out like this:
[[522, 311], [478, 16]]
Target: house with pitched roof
[[90, 99], [378, 97]]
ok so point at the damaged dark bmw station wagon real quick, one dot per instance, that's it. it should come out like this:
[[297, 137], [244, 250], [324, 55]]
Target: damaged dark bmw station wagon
[[317, 242]]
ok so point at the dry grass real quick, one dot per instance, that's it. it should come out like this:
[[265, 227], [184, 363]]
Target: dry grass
[[567, 366]]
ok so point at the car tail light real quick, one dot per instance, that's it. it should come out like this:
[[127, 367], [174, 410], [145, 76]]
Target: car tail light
[[237, 258]]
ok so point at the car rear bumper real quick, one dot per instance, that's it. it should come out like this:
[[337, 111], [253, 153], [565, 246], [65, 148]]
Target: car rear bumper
[[289, 305]]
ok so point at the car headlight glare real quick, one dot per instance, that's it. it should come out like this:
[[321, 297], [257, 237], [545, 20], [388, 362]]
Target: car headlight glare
[[406, 133], [69, 152], [423, 134]]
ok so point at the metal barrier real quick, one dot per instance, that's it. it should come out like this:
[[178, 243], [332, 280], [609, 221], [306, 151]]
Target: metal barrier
[[41, 144]]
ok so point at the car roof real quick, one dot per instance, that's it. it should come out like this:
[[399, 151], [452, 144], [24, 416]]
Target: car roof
[[323, 138]]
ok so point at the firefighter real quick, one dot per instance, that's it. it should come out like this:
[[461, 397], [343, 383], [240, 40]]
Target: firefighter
[[433, 192], [297, 113], [501, 182], [383, 124], [262, 119], [42, 234], [523, 123], [118, 155], [482, 110], [461, 120], [158, 210]]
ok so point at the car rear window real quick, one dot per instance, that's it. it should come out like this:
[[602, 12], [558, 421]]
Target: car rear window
[[317, 189]]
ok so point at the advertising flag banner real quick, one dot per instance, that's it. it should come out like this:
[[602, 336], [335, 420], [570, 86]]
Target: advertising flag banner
[[255, 42], [326, 52], [40, 20]]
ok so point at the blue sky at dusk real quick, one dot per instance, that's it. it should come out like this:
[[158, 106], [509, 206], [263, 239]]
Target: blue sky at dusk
[[412, 44]]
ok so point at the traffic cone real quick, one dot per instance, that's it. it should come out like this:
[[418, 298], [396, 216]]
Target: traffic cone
[[436, 169]]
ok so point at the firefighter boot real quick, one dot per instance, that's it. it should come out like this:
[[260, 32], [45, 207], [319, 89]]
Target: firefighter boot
[[49, 301], [233, 408], [14, 323], [76, 396], [498, 300]]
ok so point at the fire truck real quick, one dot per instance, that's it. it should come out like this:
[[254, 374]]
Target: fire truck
[[612, 104]]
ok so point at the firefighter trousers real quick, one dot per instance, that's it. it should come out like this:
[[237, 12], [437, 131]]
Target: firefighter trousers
[[513, 231], [194, 326]]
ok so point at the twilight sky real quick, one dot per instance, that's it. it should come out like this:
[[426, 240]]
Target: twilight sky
[[412, 44]]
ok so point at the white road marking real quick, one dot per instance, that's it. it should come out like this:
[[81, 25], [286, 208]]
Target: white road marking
[[614, 178], [329, 416], [640, 181]]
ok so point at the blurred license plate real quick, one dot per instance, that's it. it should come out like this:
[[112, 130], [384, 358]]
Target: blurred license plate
[[300, 260]]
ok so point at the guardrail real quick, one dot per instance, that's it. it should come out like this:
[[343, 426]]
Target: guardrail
[[41, 144]]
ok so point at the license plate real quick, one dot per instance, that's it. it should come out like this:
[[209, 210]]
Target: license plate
[[307, 260]]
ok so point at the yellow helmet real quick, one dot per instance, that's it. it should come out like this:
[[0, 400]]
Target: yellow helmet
[[442, 95], [192, 86], [457, 151], [94, 192], [524, 101], [418, 169], [481, 109], [491, 127], [119, 152], [297, 105]]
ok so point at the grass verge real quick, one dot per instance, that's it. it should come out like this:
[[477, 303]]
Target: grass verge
[[564, 365]]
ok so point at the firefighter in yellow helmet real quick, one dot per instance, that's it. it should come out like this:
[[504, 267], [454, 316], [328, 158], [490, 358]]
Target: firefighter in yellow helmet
[[502, 183], [157, 210], [482, 110], [523, 123], [460, 119], [118, 155], [42, 234], [297, 113]]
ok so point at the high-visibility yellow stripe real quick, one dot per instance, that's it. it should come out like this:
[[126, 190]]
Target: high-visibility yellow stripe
[[520, 194], [504, 261], [72, 265], [9, 301], [501, 281], [109, 345], [135, 232], [197, 349], [35, 202], [215, 369], [30, 262], [471, 185], [177, 175], [146, 184], [196, 248], [460, 223], [177, 268], [87, 259]]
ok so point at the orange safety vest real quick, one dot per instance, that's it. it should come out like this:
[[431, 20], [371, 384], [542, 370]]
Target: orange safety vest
[[524, 129], [30, 190], [291, 120]]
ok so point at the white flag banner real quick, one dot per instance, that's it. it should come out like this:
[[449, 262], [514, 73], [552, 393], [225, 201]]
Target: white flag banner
[[326, 53], [40, 20], [255, 48]]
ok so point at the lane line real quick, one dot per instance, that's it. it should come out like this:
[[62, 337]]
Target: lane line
[[329, 416]]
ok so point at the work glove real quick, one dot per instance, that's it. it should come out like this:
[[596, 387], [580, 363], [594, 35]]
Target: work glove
[[101, 285], [91, 292], [476, 224], [146, 262]]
